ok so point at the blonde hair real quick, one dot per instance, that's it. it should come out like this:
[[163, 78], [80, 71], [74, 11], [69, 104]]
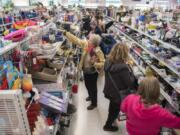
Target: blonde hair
[[149, 90], [119, 53], [95, 39]]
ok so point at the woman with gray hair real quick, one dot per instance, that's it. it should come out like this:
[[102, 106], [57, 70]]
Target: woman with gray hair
[[92, 63]]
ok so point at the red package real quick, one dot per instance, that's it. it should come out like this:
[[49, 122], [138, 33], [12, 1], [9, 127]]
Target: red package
[[75, 88], [4, 85]]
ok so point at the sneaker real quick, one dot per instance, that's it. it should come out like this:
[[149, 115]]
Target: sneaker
[[88, 99], [91, 107], [110, 128]]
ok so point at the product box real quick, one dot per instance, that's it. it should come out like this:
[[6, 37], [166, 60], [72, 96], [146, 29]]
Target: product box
[[53, 103]]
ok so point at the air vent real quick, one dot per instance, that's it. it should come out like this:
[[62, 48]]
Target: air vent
[[13, 118]]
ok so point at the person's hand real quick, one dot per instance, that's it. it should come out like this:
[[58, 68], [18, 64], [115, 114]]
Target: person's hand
[[62, 30], [92, 61]]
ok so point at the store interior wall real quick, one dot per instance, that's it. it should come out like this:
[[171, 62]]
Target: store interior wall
[[21, 2], [143, 4], [170, 4]]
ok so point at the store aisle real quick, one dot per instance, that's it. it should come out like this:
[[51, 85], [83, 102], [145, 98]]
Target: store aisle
[[91, 122]]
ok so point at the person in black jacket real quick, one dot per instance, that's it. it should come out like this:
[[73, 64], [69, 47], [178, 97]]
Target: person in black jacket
[[116, 65]]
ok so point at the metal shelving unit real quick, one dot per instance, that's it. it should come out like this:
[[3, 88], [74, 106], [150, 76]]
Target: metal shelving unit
[[164, 44], [10, 47], [163, 93], [152, 55], [22, 130]]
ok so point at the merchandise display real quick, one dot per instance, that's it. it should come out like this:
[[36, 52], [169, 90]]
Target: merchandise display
[[32, 56], [157, 56], [41, 67]]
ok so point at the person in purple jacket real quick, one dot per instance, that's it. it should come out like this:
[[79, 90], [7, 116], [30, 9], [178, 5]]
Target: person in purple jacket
[[144, 115]]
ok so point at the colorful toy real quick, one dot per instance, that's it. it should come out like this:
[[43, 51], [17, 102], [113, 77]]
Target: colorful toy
[[23, 24], [16, 36], [27, 83]]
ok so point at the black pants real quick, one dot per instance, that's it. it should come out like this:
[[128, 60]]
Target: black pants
[[114, 109], [91, 85]]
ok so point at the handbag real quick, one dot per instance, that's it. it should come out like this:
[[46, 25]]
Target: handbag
[[122, 93]]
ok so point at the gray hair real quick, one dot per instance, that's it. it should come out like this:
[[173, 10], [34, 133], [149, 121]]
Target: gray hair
[[95, 39]]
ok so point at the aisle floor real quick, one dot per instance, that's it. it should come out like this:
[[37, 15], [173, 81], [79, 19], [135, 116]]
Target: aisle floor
[[86, 122]]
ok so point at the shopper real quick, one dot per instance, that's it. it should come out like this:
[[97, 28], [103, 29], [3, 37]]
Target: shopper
[[92, 63], [118, 73], [95, 26], [101, 24], [86, 24], [145, 115]]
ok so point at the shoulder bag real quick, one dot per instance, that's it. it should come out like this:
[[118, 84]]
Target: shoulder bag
[[122, 93]]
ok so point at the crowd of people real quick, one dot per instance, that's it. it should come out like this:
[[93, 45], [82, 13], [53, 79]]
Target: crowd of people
[[138, 101]]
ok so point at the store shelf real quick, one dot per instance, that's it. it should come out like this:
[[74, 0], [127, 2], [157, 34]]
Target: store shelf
[[168, 98], [51, 56], [165, 78], [163, 93], [140, 67], [8, 48], [164, 44], [151, 53], [33, 18], [6, 24], [56, 126], [159, 73], [14, 45]]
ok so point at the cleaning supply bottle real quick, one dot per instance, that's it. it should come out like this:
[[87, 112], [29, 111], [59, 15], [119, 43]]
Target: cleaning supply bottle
[[148, 72]]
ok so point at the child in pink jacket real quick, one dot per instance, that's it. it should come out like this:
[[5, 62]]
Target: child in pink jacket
[[145, 116]]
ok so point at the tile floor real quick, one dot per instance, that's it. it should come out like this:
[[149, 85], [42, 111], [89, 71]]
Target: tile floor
[[91, 122]]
